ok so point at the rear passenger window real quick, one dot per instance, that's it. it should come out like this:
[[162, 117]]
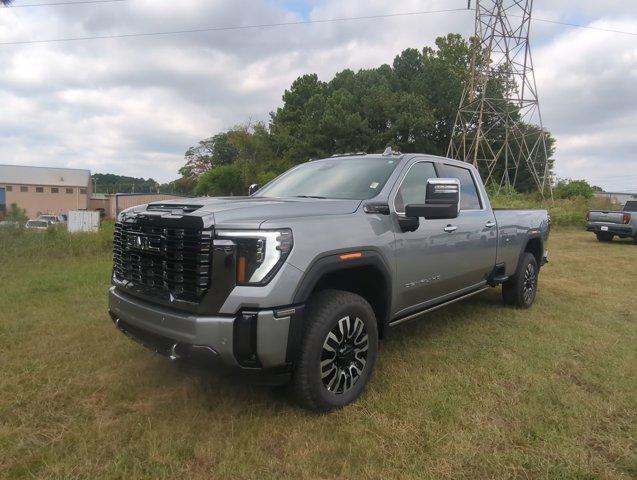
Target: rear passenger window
[[469, 199], [414, 185]]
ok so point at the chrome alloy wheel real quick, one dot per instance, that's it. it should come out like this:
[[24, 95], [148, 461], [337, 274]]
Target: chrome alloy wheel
[[530, 283], [344, 354]]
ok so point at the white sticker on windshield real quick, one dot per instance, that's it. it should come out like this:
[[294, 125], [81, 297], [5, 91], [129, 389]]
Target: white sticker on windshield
[[374, 185]]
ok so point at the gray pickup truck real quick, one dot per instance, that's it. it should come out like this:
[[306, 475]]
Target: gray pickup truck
[[606, 224], [299, 281]]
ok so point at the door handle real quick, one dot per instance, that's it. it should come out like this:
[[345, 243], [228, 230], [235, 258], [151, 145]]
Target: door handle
[[450, 228], [490, 224]]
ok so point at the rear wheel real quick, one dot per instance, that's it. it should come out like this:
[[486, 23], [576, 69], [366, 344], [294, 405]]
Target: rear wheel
[[520, 290], [604, 236], [338, 352]]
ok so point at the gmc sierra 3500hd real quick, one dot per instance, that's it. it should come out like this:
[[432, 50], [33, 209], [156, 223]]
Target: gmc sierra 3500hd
[[299, 280]]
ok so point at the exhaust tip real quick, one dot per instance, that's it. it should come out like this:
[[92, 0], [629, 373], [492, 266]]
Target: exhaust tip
[[173, 352]]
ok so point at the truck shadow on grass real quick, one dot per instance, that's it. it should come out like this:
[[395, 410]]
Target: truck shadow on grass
[[616, 241], [218, 390]]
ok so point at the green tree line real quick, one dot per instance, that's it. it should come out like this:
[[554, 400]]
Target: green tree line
[[111, 183], [410, 105]]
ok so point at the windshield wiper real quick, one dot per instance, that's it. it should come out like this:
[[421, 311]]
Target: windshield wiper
[[308, 196]]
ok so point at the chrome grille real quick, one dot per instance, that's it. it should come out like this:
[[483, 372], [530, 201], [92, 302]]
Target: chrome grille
[[163, 261]]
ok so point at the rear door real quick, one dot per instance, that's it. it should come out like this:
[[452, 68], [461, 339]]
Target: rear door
[[475, 238]]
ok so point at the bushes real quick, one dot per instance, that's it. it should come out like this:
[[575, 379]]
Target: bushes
[[16, 214], [21, 244], [564, 211], [567, 188]]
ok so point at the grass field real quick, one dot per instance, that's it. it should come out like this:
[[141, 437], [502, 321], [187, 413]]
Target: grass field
[[473, 391]]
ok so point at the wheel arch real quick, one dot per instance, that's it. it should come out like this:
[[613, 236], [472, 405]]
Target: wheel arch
[[535, 246], [366, 275]]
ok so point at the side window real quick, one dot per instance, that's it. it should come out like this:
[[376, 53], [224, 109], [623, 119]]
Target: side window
[[414, 185], [469, 199]]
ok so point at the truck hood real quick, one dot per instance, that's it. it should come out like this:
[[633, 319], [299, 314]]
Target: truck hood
[[251, 212]]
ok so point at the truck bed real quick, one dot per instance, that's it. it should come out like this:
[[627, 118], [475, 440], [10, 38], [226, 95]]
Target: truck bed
[[514, 226]]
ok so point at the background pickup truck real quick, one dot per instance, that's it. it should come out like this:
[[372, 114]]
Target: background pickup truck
[[608, 223], [300, 280]]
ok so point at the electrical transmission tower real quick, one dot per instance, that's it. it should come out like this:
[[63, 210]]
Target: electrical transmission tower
[[498, 126]]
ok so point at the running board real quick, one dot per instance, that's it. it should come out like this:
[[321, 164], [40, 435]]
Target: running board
[[498, 280], [436, 307]]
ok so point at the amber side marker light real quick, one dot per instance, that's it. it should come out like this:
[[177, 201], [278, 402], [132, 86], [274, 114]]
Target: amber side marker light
[[350, 256], [241, 270]]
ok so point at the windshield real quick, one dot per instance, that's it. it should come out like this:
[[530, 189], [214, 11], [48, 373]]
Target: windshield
[[346, 178]]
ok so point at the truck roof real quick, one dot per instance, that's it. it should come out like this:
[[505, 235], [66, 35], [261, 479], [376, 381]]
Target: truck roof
[[396, 155]]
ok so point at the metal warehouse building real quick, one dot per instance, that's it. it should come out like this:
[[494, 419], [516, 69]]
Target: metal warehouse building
[[41, 190]]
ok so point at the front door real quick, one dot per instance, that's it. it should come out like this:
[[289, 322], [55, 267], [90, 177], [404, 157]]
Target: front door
[[423, 256]]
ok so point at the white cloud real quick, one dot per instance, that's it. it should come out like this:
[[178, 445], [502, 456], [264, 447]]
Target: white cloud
[[587, 81], [133, 106]]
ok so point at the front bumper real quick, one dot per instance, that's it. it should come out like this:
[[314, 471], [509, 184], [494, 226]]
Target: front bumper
[[615, 228], [255, 340]]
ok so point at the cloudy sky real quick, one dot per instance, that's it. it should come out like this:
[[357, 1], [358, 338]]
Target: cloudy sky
[[133, 105]]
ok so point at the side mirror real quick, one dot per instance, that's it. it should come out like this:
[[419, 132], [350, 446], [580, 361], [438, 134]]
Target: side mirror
[[442, 200], [253, 188]]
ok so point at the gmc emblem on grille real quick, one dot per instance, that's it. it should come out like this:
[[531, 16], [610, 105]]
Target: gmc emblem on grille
[[135, 241]]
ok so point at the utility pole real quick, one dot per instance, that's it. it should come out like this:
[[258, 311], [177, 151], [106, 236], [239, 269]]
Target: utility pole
[[498, 126]]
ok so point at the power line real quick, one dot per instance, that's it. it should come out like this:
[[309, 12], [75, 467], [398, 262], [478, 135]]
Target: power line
[[578, 25], [264, 25], [234, 27], [55, 4]]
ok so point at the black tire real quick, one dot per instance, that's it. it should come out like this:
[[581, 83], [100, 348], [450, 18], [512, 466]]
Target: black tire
[[604, 236], [520, 290], [317, 370]]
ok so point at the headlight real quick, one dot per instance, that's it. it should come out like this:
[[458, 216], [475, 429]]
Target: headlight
[[260, 253]]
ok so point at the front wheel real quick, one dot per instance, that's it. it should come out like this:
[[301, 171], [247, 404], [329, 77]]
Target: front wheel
[[604, 236], [338, 351], [520, 290]]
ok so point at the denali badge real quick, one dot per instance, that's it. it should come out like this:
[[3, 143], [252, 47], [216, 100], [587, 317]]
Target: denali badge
[[424, 281]]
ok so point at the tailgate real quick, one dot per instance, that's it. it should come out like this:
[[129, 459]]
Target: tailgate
[[605, 216]]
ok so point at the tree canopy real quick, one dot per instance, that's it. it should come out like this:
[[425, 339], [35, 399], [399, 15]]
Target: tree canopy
[[409, 105]]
